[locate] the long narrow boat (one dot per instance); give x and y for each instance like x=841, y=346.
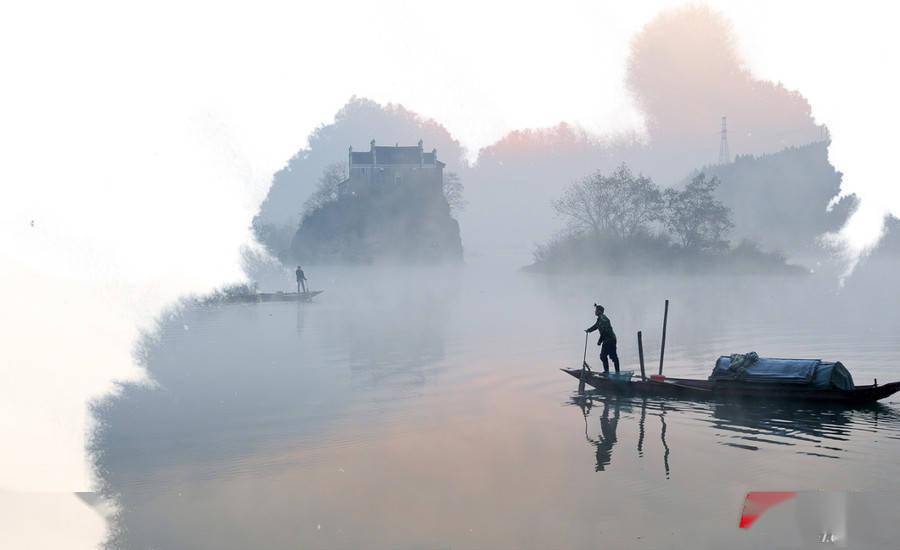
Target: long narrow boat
x=273, y=297
x=720, y=389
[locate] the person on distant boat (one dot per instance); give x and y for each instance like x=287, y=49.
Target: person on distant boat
x=607, y=339
x=301, y=280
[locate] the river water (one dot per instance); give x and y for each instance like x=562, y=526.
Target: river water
x=417, y=408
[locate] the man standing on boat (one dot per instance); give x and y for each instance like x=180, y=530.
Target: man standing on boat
x=607, y=339
x=301, y=280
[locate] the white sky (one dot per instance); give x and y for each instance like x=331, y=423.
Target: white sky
x=140, y=139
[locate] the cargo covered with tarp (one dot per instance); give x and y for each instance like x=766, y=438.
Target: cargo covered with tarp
x=750, y=368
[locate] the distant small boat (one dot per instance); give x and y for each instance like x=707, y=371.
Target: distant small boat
x=272, y=297
x=782, y=379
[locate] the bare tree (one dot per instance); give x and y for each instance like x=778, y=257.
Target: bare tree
x=327, y=189
x=453, y=192
x=620, y=204
x=694, y=216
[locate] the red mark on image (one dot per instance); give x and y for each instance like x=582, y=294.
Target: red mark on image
x=757, y=502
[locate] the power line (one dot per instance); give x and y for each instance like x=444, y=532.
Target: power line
x=724, y=154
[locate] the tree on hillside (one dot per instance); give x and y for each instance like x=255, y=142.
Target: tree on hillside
x=327, y=188
x=695, y=218
x=620, y=204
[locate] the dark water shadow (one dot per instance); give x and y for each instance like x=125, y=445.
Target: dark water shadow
x=612, y=408
x=816, y=430
x=829, y=430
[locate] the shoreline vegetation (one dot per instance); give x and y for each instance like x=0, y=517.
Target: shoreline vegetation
x=619, y=222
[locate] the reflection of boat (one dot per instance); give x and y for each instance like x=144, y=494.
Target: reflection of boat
x=813, y=429
x=605, y=442
x=824, y=430
x=607, y=438
x=273, y=297
x=731, y=389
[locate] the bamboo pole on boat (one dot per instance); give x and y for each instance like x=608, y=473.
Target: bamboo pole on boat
x=584, y=357
x=641, y=355
x=662, y=349
x=583, y=365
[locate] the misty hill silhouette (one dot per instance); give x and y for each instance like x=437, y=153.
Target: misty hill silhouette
x=359, y=121
x=777, y=202
x=875, y=276
x=886, y=252
x=781, y=200
x=390, y=210
x=404, y=223
x=889, y=245
x=684, y=73
x=407, y=223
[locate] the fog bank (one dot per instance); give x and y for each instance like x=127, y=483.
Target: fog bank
x=138, y=143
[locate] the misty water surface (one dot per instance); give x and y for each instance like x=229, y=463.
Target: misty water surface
x=418, y=408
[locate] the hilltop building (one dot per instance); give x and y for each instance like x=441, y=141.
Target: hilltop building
x=391, y=208
x=386, y=165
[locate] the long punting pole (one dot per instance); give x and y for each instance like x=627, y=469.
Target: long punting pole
x=662, y=349
x=583, y=365
x=641, y=355
x=584, y=358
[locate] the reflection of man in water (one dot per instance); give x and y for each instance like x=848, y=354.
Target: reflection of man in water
x=607, y=339
x=607, y=436
x=301, y=283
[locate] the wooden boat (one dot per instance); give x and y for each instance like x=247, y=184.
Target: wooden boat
x=742, y=377
x=705, y=389
x=273, y=297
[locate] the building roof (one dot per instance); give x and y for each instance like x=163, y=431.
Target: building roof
x=394, y=155
x=361, y=158
x=397, y=155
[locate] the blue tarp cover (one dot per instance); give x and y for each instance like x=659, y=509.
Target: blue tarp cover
x=833, y=375
x=785, y=371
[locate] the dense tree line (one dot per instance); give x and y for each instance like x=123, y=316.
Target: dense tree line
x=624, y=206
x=620, y=219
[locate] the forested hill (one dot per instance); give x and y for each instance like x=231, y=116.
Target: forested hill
x=781, y=200
x=402, y=222
x=359, y=121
